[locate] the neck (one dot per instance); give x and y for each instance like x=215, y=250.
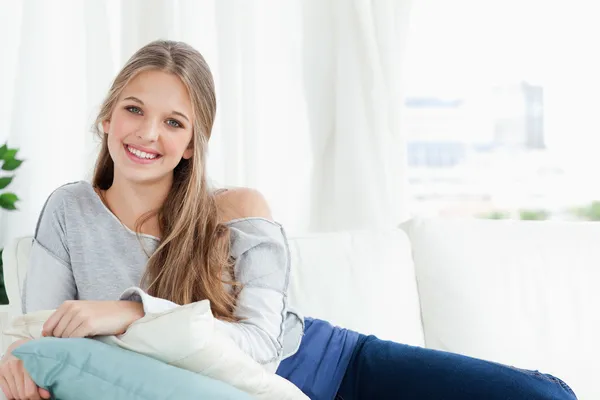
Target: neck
x=130, y=201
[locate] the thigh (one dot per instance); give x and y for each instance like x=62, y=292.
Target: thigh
x=387, y=370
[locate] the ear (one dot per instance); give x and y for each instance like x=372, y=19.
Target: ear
x=188, y=153
x=106, y=126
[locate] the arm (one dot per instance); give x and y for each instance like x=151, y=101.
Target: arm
x=50, y=283
x=263, y=270
x=260, y=248
x=262, y=267
x=49, y=280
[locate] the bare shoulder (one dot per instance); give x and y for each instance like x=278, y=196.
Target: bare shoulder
x=242, y=202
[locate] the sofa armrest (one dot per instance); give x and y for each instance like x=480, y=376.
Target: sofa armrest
x=15, y=259
x=6, y=316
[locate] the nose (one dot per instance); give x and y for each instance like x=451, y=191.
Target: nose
x=149, y=131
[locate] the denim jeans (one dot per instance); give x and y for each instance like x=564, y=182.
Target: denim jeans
x=382, y=370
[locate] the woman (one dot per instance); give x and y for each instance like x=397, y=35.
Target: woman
x=149, y=233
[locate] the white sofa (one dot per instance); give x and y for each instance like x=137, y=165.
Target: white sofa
x=520, y=293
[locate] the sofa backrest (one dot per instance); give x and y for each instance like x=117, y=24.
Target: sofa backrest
x=520, y=293
x=363, y=281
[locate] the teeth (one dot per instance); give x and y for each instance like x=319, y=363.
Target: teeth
x=141, y=154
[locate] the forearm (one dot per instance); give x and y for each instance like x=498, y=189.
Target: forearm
x=88, y=318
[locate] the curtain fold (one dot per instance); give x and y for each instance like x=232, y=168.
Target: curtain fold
x=353, y=55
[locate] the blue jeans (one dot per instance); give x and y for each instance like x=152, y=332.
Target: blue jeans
x=380, y=370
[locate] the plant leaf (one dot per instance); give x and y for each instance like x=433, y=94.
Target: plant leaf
x=9, y=154
x=12, y=164
x=5, y=181
x=3, y=150
x=8, y=200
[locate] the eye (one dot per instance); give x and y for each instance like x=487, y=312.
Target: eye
x=174, y=123
x=134, y=110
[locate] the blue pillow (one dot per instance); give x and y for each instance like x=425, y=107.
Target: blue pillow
x=75, y=369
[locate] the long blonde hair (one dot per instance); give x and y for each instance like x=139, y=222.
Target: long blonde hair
x=192, y=262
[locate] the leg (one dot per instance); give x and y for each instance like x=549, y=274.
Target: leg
x=387, y=370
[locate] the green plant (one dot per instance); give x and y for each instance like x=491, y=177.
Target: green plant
x=534, y=215
x=590, y=212
x=7, y=199
x=496, y=215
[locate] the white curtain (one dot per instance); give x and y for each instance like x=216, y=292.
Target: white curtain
x=309, y=98
x=353, y=57
x=57, y=71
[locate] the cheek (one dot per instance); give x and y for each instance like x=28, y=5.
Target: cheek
x=122, y=125
x=176, y=144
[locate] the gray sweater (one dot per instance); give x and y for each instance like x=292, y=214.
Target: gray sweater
x=82, y=251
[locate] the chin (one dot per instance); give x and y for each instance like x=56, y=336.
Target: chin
x=136, y=175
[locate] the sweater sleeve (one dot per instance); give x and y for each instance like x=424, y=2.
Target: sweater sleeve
x=49, y=280
x=262, y=266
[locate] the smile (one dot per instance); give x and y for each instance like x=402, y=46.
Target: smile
x=141, y=156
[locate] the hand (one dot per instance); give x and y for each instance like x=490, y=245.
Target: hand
x=16, y=382
x=81, y=318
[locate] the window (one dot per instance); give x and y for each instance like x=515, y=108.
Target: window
x=500, y=115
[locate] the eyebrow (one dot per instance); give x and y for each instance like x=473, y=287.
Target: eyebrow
x=135, y=99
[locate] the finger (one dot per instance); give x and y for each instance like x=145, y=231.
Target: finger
x=54, y=319
x=31, y=389
x=81, y=331
x=75, y=325
x=10, y=380
x=5, y=388
x=63, y=323
x=16, y=381
x=44, y=394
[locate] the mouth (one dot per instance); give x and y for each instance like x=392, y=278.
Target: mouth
x=139, y=156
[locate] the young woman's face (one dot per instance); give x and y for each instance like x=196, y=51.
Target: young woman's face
x=150, y=129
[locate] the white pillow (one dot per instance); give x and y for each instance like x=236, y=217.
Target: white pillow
x=28, y=326
x=185, y=337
